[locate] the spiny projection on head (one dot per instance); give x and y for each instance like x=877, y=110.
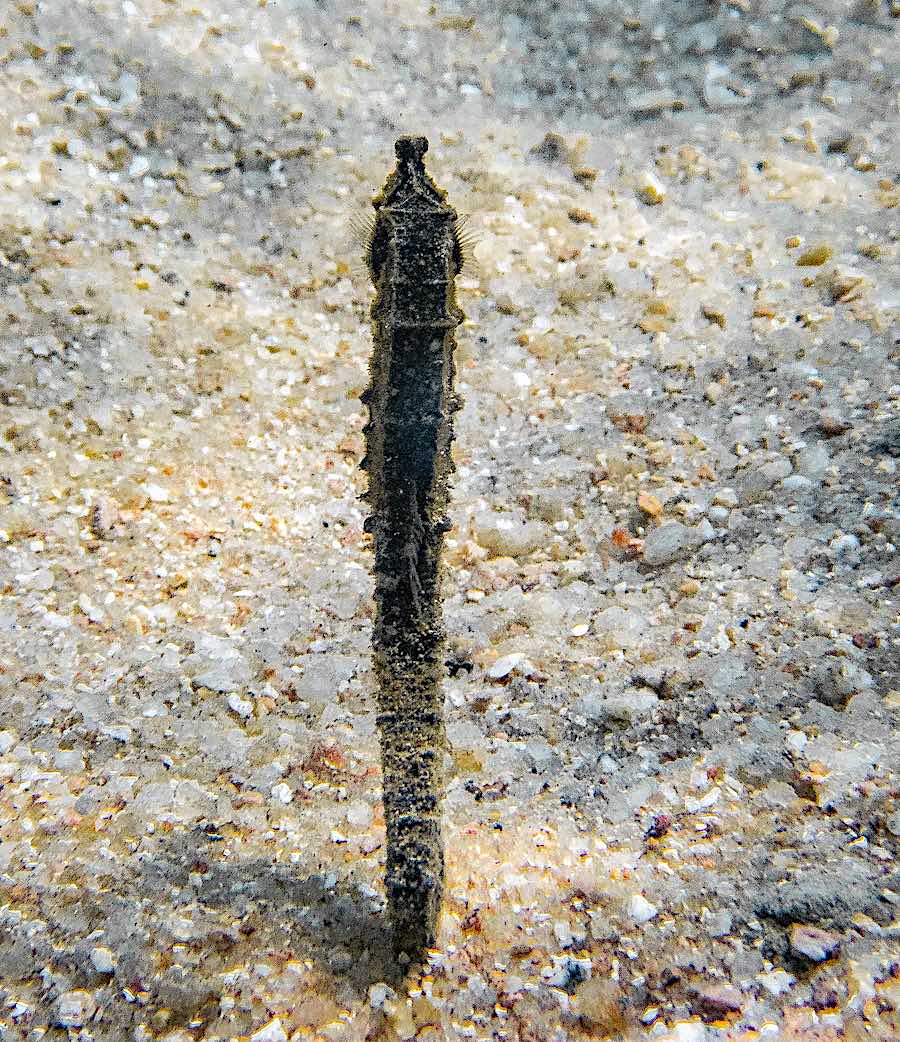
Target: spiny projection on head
x=413, y=253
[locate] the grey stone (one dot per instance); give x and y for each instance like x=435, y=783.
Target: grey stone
x=813, y=943
x=669, y=543
x=74, y=1009
x=831, y=895
x=324, y=676
x=218, y=665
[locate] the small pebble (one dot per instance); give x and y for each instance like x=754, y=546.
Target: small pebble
x=717, y=924
x=89, y=609
x=831, y=426
x=652, y=103
x=505, y=665
x=726, y=497
x=813, y=943
x=157, y=493
x=139, y=166
x=649, y=504
x=271, y=1032
x=776, y=982
x=103, y=516
x=240, y=706
x=669, y=543
x=359, y=814
x=650, y=190
x=379, y=994
x=74, y=1009
x=640, y=909
x=717, y=1000
x=103, y=960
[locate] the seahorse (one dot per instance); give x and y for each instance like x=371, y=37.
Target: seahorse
x=414, y=252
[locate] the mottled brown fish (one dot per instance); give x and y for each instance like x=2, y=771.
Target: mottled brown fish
x=414, y=253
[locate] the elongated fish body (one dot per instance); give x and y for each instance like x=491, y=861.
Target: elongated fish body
x=413, y=256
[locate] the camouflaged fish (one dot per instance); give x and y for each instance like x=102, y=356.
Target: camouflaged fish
x=414, y=251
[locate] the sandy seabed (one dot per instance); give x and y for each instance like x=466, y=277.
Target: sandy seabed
x=671, y=586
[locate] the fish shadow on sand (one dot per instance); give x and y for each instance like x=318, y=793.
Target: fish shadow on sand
x=258, y=907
